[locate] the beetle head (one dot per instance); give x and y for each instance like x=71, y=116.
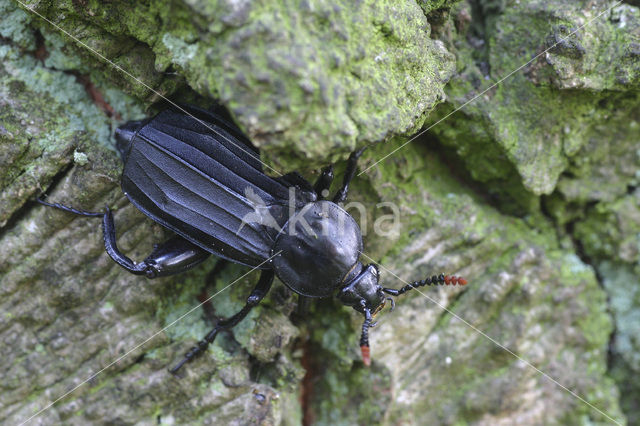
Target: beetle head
x=365, y=295
x=363, y=292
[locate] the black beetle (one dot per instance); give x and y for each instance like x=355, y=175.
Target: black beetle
x=194, y=172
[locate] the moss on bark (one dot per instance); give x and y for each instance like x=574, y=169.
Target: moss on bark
x=309, y=81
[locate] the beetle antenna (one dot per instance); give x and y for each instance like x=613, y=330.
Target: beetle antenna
x=364, y=338
x=69, y=209
x=441, y=279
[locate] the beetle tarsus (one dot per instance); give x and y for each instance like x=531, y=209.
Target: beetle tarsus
x=70, y=209
x=173, y=256
x=200, y=347
x=392, y=301
x=179, y=365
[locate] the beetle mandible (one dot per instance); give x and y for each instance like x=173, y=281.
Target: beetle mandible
x=194, y=172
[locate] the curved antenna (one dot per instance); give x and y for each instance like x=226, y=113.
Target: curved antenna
x=441, y=279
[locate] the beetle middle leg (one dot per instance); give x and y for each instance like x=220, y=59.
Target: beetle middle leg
x=303, y=305
x=259, y=292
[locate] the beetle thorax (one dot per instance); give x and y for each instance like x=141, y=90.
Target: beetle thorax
x=318, y=247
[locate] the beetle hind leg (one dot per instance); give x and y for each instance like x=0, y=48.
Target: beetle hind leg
x=69, y=209
x=171, y=257
x=259, y=292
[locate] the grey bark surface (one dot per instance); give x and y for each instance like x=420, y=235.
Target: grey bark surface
x=530, y=192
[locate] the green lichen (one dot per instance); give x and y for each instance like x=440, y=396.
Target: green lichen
x=15, y=24
x=349, y=395
x=271, y=65
x=314, y=79
x=623, y=286
x=430, y=5
x=80, y=158
x=504, y=305
x=566, y=123
x=536, y=116
x=39, y=138
x=610, y=230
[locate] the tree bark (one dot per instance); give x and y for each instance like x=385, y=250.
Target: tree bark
x=527, y=189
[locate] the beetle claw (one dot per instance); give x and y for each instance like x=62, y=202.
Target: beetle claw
x=393, y=303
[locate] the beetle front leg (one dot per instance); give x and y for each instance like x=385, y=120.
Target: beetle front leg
x=349, y=173
x=364, y=337
x=304, y=302
x=256, y=296
x=324, y=182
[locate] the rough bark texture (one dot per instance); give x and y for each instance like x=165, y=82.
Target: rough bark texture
x=530, y=191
